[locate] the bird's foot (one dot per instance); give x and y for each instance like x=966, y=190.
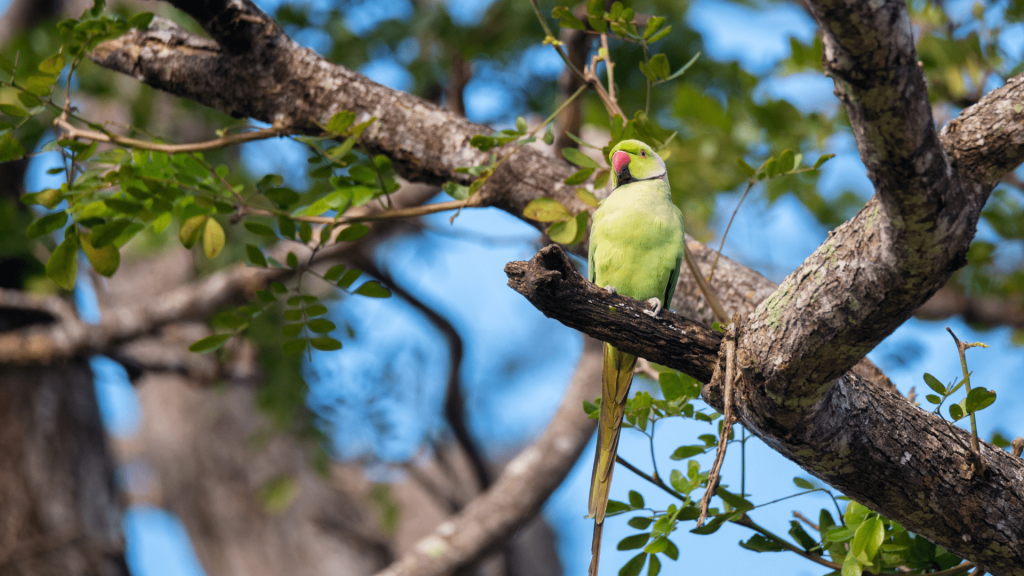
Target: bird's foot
x=656, y=307
x=610, y=289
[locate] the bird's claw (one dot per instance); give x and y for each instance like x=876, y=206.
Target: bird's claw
x=610, y=289
x=656, y=305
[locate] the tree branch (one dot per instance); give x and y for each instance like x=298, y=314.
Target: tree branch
x=518, y=492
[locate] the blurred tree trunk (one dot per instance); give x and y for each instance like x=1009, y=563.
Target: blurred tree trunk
x=59, y=513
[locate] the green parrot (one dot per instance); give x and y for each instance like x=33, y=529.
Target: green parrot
x=636, y=249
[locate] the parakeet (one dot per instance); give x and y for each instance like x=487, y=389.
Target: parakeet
x=636, y=249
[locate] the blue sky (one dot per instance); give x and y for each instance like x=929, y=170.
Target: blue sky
x=518, y=363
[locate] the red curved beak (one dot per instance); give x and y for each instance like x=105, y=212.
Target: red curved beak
x=619, y=161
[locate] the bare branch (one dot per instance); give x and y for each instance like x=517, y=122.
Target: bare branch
x=519, y=491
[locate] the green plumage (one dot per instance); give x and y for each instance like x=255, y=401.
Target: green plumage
x=636, y=247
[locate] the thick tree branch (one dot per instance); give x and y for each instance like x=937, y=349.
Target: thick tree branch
x=551, y=283
x=863, y=438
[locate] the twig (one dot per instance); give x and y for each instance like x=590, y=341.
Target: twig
x=975, y=445
x=705, y=288
x=656, y=481
x=72, y=132
x=799, y=516
x=471, y=202
x=750, y=184
x=644, y=368
x=728, y=420
x=746, y=522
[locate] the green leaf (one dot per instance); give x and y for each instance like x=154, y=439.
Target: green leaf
x=46, y=224
x=933, y=398
x=321, y=325
x=654, y=23
x=566, y=19
x=821, y=160
x=334, y=272
x=13, y=111
x=266, y=296
x=587, y=197
x=373, y=289
x=305, y=232
x=851, y=567
x=6, y=65
x=62, y=267
x=840, y=534
x=546, y=209
x=283, y=197
x=979, y=399
x=672, y=551
x=294, y=347
x=634, y=542
x=52, y=65
x=759, y=543
x=191, y=229
x=655, y=566
x=956, y=412
x=292, y=260
x=802, y=483
x=210, y=343
x=746, y=168
x=521, y=124
x=10, y=149
x=105, y=234
x=105, y=260
x=640, y=522
x=579, y=158
x=801, y=536
x=868, y=538
x=616, y=507
x=735, y=500
x=934, y=384
x=140, y=21
x=353, y=232
x=292, y=330
x=260, y=229
x=213, y=238
x=455, y=190
x=713, y=525
x=255, y=255
x=563, y=232
x=580, y=176
x=636, y=500
x=659, y=66
x=316, y=310
x=601, y=178
x=786, y=161
x=325, y=343
x=855, y=514
x=340, y=122
x=636, y=563
x=657, y=546
x=684, y=452
x=349, y=278
x=659, y=35
x=549, y=136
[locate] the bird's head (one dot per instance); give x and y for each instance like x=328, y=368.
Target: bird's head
x=633, y=160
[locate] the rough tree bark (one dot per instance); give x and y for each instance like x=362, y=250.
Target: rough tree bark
x=797, y=345
x=58, y=506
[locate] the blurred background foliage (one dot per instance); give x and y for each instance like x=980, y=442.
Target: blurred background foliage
x=757, y=91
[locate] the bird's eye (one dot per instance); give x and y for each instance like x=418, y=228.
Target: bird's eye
x=643, y=154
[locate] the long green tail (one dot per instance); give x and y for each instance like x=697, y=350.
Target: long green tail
x=615, y=380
